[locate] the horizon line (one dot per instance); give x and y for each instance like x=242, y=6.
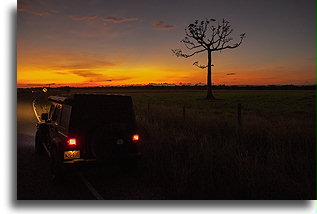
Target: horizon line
x=170, y=85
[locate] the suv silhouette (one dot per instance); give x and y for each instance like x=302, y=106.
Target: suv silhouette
x=85, y=128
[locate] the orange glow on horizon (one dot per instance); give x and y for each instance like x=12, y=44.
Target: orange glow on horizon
x=144, y=76
x=40, y=68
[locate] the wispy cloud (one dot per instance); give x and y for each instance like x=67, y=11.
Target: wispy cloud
x=119, y=20
x=35, y=84
x=229, y=74
x=82, y=18
x=87, y=64
x=39, y=13
x=92, y=76
x=163, y=26
x=109, y=79
x=89, y=67
x=86, y=73
x=23, y=6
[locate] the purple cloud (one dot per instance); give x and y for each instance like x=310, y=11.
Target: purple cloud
x=120, y=20
x=82, y=18
x=162, y=25
x=23, y=6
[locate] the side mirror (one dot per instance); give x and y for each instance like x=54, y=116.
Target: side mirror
x=44, y=116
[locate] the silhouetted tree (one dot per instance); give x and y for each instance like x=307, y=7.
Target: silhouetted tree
x=202, y=36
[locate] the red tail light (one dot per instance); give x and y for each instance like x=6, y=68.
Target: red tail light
x=135, y=138
x=72, y=142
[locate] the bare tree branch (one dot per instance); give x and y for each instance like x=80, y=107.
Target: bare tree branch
x=218, y=40
x=242, y=36
x=189, y=44
x=198, y=38
x=179, y=53
x=200, y=66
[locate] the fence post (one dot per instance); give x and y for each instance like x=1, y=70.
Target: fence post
x=239, y=114
x=184, y=112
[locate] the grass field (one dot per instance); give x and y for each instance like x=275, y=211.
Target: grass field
x=196, y=149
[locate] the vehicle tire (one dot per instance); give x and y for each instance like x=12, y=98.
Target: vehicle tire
x=56, y=167
x=38, y=144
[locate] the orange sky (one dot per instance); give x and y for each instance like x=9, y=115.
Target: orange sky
x=74, y=45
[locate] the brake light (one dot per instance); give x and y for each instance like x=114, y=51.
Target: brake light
x=72, y=142
x=135, y=138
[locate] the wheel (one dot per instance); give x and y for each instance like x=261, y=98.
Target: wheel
x=38, y=144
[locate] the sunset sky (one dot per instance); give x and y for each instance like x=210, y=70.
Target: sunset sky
x=103, y=42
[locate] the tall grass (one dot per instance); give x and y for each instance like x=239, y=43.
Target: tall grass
x=208, y=156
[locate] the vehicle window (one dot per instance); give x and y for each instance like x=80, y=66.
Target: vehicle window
x=66, y=111
x=106, y=112
x=57, y=113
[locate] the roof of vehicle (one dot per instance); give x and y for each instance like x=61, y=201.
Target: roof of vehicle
x=74, y=97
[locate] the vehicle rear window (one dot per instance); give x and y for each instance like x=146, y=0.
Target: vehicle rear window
x=88, y=113
x=66, y=112
x=52, y=109
x=57, y=112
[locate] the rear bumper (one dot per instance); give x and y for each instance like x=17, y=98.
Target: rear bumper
x=79, y=160
x=129, y=157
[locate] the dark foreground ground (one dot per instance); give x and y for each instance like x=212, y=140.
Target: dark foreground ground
x=110, y=181
x=192, y=149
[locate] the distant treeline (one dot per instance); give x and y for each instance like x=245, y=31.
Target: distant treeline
x=233, y=87
x=195, y=87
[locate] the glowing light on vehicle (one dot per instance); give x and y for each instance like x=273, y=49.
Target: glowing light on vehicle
x=72, y=142
x=135, y=138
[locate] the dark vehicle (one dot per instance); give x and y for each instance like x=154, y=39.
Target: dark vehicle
x=87, y=127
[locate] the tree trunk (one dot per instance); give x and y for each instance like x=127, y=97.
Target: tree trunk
x=210, y=96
